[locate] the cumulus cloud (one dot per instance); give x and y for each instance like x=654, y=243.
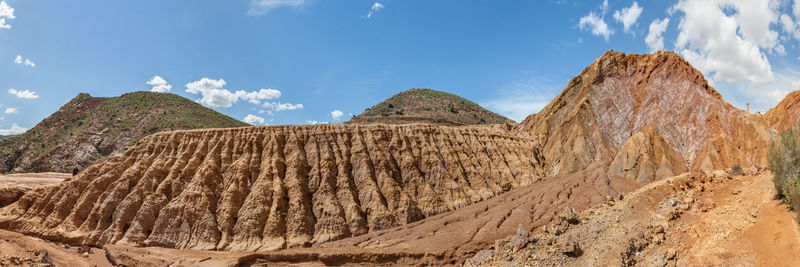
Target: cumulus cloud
x=6, y=12
x=765, y=96
x=14, y=130
x=316, y=122
x=213, y=94
x=261, y=7
x=628, y=16
x=256, y=97
x=655, y=38
x=28, y=94
x=596, y=23
x=11, y=111
x=337, y=114
x=24, y=62
x=159, y=84
x=728, y=47
x=253, y=120
x=789, y=26
x=374, y=9
x=792, y=26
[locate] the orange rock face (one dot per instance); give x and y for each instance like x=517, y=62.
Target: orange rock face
x=620, y=95
x=785, y=114
x=266, y=188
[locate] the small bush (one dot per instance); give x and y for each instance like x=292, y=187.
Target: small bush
x=737, y=170
x=784, y=161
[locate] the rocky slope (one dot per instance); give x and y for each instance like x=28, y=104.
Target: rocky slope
x=266, y=188
x=687, y=220
x=88, y=129
x=659, y=95
x=428, y=106
x=785, y=114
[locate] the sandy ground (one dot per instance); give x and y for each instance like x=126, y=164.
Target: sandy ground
x=30, y=180
x=20, y=250
x=744, y=225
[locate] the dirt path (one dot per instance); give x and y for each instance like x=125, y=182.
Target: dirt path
x=745, y=226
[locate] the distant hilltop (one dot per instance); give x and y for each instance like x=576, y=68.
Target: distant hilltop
x=428, y=106
x=88, y=129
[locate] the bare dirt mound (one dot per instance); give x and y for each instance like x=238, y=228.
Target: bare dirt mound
x=445, y=239
x=620, y=95
x=266, y=188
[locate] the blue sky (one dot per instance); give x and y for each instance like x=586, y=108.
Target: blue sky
x=298, y=61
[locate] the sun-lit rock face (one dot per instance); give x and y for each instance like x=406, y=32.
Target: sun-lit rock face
x=621, y=94
x=265, y=188
x=786, y=114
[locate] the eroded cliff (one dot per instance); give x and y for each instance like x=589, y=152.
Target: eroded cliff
x=266, y=188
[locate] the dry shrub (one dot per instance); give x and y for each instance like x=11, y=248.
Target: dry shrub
x=784, y=161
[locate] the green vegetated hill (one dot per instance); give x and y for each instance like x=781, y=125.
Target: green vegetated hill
x=88, y=129
x=428, y=106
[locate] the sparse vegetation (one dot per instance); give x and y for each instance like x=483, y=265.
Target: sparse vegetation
x=426, y=105
x=784, y=161
x=127, y=117
x=737, y=170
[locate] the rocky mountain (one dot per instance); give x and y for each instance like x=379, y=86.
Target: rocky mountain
x=428, y=106
x=88, y=129
x=676, y=119
x=267, y=188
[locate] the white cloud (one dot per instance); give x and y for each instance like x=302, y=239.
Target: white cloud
x=728, y=48
x=375, y=8
x=796, y=9
x=337, y=114
x=278, y=106
x=14, y=130
x=6, y=12
x=23, y=94
x=25, y=62
x=159, y=84
x=596, y=23
x=790, y=27
x=213, y=95
x=256, y=97
x=253, y=120
x=762, y=97
x=628, y=16
x=261, y=7
x=655, y=38
x=11, y=111
x=316, y=122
